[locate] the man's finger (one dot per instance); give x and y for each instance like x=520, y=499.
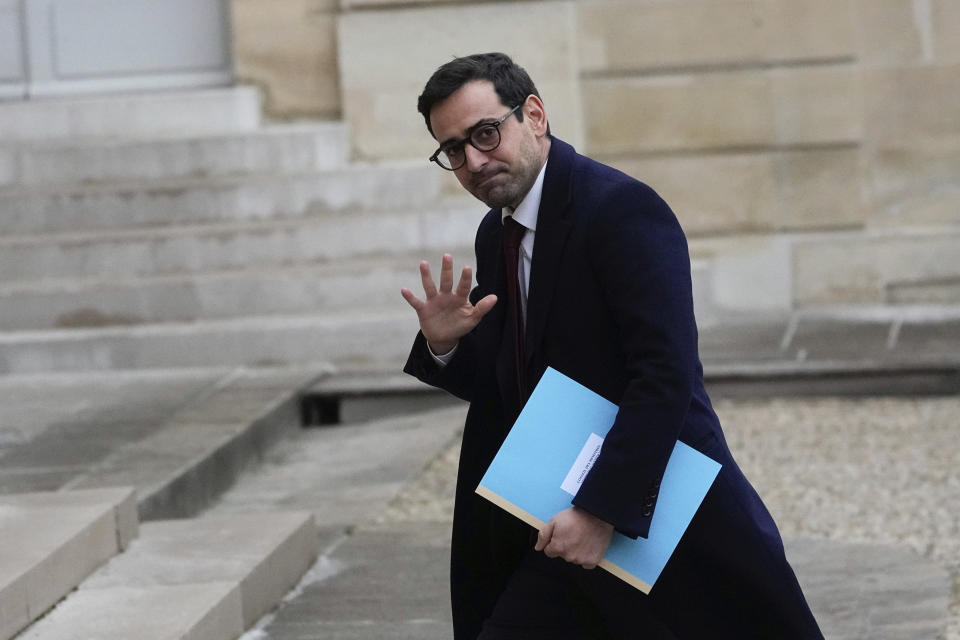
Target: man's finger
x=544, y=536
x=412, y=300
x=466, y=279
x=446, y=273
x=429, y=288
x=552, y=550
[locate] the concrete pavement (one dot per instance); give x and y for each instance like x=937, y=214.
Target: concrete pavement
x=384, y=575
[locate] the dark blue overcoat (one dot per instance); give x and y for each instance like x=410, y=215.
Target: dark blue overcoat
x=610, y=305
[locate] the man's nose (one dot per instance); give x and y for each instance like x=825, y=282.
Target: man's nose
x=476, y=159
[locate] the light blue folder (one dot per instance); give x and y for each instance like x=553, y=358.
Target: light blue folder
x=556, y=433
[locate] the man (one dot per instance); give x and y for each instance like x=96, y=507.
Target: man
x=599, y=289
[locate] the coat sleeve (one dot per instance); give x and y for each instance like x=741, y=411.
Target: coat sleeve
x=457, y=377
x=640, y=260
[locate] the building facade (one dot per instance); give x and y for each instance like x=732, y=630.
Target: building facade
x=810, y=149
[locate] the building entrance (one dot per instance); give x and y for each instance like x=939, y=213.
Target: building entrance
x=67, y=47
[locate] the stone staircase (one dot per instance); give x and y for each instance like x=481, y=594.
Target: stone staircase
x=52, y=541
x=117, y=448
x=208, y=111
x=176, y=236
x=110, y=577
x=205, y=237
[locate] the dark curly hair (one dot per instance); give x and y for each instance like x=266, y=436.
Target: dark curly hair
x=510, y=81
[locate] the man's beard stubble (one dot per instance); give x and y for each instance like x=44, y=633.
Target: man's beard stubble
x=512, y=191
x=507, y=193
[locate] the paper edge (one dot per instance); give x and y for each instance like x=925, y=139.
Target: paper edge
x=509, y=507
x=625, y=575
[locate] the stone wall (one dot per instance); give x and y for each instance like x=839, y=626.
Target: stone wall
x=908, y=247
x=288, y=48
x=381, y=81
x=811, y=149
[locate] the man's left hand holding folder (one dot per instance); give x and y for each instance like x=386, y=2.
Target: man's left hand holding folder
x=577, y=536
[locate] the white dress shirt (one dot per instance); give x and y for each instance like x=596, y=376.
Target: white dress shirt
x=526, y=214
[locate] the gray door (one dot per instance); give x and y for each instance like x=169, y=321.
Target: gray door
x=12, y=67
x=59, y=47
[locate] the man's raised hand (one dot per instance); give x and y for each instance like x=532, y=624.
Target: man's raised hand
x=447, y=314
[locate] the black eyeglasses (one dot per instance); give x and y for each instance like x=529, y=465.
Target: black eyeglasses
x=483, y=136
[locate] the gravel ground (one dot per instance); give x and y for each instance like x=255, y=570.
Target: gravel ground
x=875, y=470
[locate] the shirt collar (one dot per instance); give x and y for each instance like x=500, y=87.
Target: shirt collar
x=529, y=208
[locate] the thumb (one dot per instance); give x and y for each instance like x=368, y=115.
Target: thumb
x=544, y=536
x=484, y=305
x=411, y=299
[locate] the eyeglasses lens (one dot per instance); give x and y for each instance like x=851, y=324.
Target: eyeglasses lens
x=452, y=158
x=486, y=138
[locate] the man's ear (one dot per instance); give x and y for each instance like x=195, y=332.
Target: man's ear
x=535, y=115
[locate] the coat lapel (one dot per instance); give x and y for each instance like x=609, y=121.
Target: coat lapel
x=553, y=227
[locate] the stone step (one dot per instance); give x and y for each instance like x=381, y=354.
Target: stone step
x=182, y=464
x=359, y=187
x=370, y=339
x=288, y=148
x=142, y=115
x=52, y=542
x=217, y=246
x=202, y=579
x=356, y=284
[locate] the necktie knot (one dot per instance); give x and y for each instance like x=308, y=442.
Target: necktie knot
x=512, y=234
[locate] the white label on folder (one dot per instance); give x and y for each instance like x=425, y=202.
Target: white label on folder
x=580, y=469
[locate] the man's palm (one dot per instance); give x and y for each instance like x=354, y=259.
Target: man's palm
x=447, y=313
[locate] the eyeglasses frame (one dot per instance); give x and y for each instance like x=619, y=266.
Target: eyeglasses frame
x=468, y=139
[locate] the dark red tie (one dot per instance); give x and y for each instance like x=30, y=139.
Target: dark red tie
x=512, y=235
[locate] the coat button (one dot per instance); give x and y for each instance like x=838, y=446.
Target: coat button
x=646, y=514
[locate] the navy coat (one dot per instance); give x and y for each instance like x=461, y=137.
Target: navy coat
x=610, y=305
